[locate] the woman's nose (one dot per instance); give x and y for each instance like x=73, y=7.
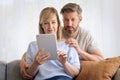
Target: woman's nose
x=50, y=25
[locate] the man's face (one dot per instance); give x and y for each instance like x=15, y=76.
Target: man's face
x=71, y=22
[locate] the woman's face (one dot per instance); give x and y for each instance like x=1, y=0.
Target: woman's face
x=50, y=26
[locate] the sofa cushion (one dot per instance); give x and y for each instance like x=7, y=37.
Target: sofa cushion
x=102, y=70
x=13, y=71
x=2, y=70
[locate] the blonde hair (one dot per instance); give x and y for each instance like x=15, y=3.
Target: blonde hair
x=45, y=15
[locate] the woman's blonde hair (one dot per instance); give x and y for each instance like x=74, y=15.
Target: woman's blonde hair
x=45, y=15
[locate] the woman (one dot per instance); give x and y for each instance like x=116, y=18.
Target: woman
x=66, y=67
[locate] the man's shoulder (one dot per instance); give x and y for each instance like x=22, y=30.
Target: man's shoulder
x=83, y=31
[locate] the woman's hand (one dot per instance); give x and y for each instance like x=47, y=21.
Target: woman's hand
x=69, y=69
x=41, y=57
x=62, y=57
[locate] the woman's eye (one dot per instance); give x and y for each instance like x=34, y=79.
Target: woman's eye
x=46, y=23
x=53, y=22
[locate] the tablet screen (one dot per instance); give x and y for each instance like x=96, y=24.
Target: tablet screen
x=48, y=42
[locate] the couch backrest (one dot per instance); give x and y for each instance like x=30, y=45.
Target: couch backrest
x=13, y=71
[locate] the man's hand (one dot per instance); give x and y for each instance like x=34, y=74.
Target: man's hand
x=72, y=42
x=23, y=67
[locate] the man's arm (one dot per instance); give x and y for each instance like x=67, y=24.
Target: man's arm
x=92, y=56
x=23, y=67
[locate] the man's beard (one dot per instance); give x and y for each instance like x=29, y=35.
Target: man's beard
x=70, y=31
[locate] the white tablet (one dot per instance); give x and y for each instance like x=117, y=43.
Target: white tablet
x=48, y=42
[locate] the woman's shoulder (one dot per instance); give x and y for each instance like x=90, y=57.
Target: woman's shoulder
x=33, y=46
x=61, y=43
x=61, y=40
x=33, y=43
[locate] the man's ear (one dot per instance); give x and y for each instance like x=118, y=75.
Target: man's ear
x=80, y=18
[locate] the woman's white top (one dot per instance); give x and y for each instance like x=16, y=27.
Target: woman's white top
x=53, y=68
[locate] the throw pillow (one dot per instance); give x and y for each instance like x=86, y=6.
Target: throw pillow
x=102, y=70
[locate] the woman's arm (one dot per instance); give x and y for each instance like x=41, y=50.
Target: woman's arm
x=69, y=69
x=38, y=60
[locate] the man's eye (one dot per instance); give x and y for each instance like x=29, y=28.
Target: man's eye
x=73, y=19
x=66, y=20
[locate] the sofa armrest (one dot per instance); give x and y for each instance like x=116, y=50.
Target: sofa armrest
x=13, y=70
x=117, y=75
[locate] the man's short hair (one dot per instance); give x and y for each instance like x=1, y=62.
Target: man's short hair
x=71, y=7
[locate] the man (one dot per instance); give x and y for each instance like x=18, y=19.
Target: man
x=75, y=36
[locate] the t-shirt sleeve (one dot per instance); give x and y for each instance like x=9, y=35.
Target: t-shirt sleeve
x=31, y=51
x=91, y=44
x=73, y=57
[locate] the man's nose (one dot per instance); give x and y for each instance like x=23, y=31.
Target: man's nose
x=69, y=23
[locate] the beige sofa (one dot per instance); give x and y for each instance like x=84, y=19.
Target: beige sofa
x=11, y=71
